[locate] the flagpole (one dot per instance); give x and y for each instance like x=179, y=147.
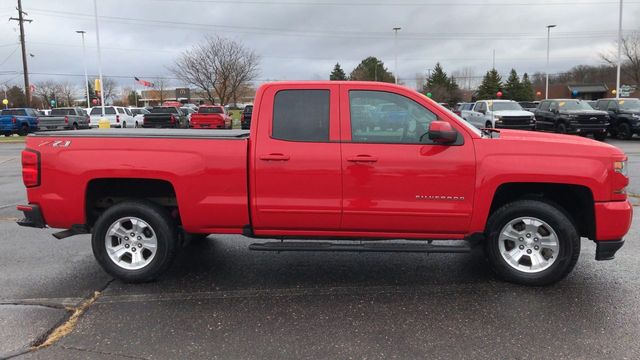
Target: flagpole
x=135, y=93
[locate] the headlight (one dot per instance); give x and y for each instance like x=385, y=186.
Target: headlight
x=621, y=167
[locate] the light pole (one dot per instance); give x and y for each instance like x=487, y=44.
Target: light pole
x=395, y=50
x=619, y=52
x=95, y=12
x=546, y=88
x=84, y=63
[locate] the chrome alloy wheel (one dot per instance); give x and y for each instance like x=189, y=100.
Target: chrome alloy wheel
x=528, y=244
x=131, y=243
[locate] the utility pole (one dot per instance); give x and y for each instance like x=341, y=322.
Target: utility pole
x=493, y=66
x=20, y=19
x=395, y=50
x=95, y=12
x=619, y=52
x=84, y=62
x=546, y=88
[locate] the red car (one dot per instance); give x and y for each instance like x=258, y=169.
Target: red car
x=311, y=168
x=211, y=117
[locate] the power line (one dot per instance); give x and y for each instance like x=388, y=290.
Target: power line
x=325, y=33
x=396, y=4
x=7, y=58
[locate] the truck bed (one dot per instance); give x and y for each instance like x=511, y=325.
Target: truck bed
x=150, y=133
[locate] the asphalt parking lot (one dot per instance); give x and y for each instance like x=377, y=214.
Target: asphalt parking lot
x=220, y=300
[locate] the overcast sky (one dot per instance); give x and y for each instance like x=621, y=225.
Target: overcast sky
x=303, y=39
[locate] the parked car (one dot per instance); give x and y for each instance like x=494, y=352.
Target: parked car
x=462, y=109
x=571, y=116
x=188, y=111
x=118, y=116
x=211, y=117
x=165, y=117
x=245, y=121
x=529, y=105
x=303, y=173
x=137, y=112
x=19, y=121
x=501, y=114
x=65, y=118
x=624, y=116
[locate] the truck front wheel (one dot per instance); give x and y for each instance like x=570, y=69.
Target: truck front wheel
x=135, y=241
x=532, y=242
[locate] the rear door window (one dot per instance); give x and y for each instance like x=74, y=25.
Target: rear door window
x=301, y=115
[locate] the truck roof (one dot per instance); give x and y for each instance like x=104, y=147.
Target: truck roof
x=149, y=133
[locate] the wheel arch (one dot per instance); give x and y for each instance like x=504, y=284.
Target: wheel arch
x=102, y=193
x=576, y=201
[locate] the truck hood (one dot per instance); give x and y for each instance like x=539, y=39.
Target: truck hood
x=512, y=113
x=542, y=142
x=584, y=112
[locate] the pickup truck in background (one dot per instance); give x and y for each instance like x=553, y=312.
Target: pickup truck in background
x=211, y=117
x=308, y=169
x=165, y=117
x=64, y=118
x=571, y=116
x=624, y=116
x=118, y=116
x=500, y=114
x=19, y=121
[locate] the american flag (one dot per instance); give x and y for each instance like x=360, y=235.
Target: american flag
x=143, y=82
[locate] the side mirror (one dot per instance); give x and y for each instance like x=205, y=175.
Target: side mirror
x=441, y=132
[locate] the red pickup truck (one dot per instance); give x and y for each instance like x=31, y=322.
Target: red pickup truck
x=211, y=117
x=321, y=163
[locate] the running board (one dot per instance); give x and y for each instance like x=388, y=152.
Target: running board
x=358, y=247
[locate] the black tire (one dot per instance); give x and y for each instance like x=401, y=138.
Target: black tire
x=24, y=130
x=561, y=128
x=600, y=136
x=488, y=125
x=162, y=225
x=124, y=124
x=555, y=217
x=624, y=131
x=75, y=126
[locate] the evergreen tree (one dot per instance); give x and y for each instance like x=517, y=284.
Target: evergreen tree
x=526, y=89
x=491, y=84
x=512, y=88
x=16, y=97
x=371, y=69
x=337, y=73
x=442, y=87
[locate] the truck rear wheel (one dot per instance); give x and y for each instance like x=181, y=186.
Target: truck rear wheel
x=24, y=130
x=532, y=242
x=135, y=241
x=624, y=131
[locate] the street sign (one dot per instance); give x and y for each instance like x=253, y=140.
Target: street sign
x=627, y=90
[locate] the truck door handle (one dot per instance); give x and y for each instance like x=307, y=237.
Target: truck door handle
x=275, y=157
x=362, y=158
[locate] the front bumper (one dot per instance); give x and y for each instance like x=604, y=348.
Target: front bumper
x=516, y=127
x=32, y=216
x=587, y=128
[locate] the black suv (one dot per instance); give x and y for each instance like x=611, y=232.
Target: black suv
x=245, y=122
x=571, y=116
x=624, y=114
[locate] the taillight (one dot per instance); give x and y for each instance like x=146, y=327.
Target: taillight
x=30, y=168
x=172, y=119
x=66, y=119
x=117, y=118
x=14, y=120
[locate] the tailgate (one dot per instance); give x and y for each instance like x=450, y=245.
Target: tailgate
x=54, y=121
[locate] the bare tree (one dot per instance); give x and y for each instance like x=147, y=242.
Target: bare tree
x=67, y=92
x=630, y=55
x=160, y=86
x=219, y=66
x=47, y=90
x=110, y=88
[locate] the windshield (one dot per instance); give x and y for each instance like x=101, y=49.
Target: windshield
x=631, y=104
x=507, y=105
x=164, y=110
x=574, y=105
x=210, y=110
